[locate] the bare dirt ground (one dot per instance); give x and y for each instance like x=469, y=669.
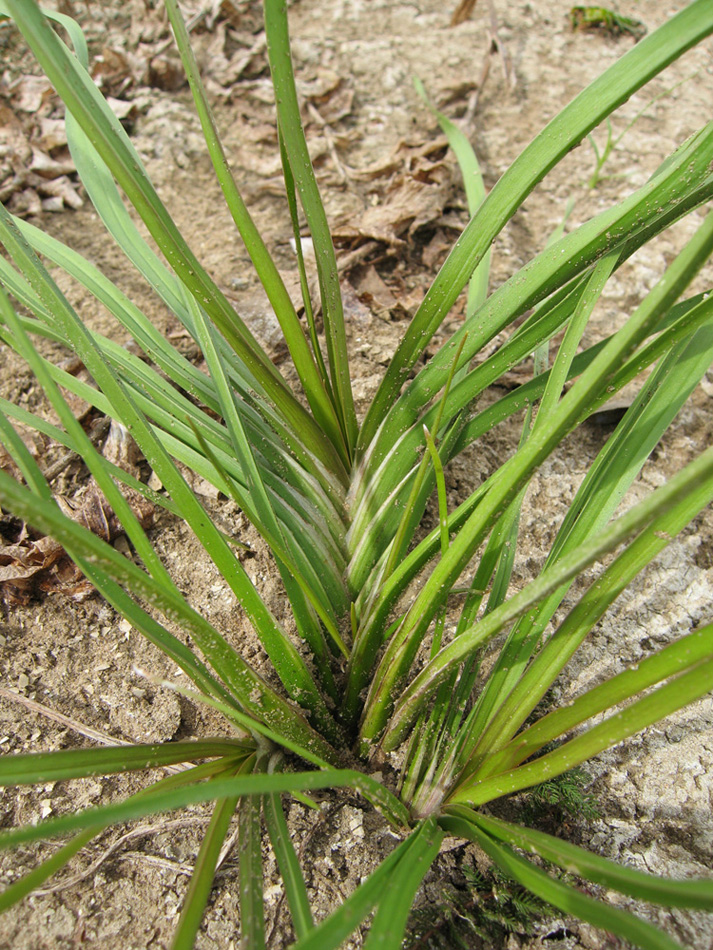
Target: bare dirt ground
x=395, y=200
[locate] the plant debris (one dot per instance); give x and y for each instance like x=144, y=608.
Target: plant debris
x=606, y=21
x=32, y=565
x=35, y=164
x=415, y=194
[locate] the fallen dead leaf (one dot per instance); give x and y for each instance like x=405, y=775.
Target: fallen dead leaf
x=373, y=291
x=414, y=196
x=437, y=249
x=32, y=565
x=166, y=72
x=52, y=134
x=112, y=71
x=30, y=93
x=15, y=153
x=34, y=158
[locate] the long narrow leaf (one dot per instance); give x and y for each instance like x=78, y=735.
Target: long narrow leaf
x=35, y=878
x=692, y=892
x=292, y=134
x=474, y=191
x=511, y=477
x=561, y=646
x=90, y=455
x=253, y=693
x=389, y=924
x=671, y=661
x=613, y=471
x=563, y=896
x=622, y=228
x=37, y=767
x=566, y=130
x=202, y=877
x=698, y=476
x=108, y=138
x=331, y=932
x=252, y=915
x=213, y=541
x=294, y=882
x=288, y=663
x=264, y=265
x=681, y=691
x=149, y=803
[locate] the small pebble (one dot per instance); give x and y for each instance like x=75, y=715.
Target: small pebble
x=122, y=545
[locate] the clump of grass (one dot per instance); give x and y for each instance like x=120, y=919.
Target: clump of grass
x=337, y=500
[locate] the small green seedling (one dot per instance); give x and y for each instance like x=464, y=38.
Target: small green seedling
x=599, y=18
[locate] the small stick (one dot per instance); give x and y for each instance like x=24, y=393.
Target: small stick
x=139, y=832
x=327, y=132
x=63, y=720
x=97, y=431
x=510, y=77
x=463, y=11
x=227, y=848
x=356, y=256
x=496, y=46
x=75, y=725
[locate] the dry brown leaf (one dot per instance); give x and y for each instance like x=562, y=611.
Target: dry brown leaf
x=122, y=108
x=240, y=15
x=247, y=62
x=48, y=167
x=34, y=158
x=437, y=249
x=414, y=196
x=329, y=98
x=15, y=153
x=372, y=290
x=359, y=317
x=53, y=134
x=30, y=93
x=231, y=13
x=32, y=566
x=321, y=85
x=62, y=192
x=39, y=193
x=112, y=72
x=166, y=72
x=13, y=139
x=24, y=203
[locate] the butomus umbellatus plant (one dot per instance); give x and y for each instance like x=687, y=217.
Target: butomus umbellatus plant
x=370, y=669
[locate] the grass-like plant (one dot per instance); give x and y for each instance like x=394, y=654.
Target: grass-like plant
x=366, y=670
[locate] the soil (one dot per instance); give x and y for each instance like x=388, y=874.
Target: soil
x=371, y=138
